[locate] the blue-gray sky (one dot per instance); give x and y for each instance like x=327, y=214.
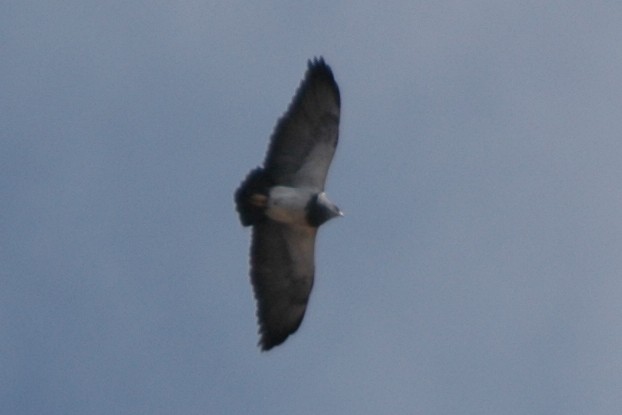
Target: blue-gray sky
x=478, y=268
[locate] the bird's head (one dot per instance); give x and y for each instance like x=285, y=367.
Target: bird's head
x=320, y=210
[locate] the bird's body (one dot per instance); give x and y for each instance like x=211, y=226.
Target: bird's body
x=288, y=205
x=285, y=203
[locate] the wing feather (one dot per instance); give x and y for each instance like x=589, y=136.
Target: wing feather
x=304, y=141
x=282, y=270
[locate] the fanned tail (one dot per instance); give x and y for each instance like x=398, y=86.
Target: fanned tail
x=249, y=196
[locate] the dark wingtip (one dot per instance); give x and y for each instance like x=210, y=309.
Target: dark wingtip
x=268, y=341
x=266, y=344
x=319, y=62
x=318, y=69
x=271, y=338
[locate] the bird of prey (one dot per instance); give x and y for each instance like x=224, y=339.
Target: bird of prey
x=285, y=203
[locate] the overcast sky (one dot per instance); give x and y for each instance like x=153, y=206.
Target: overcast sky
x=478, y=269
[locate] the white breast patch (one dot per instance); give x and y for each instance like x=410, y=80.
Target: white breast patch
x=287, y=204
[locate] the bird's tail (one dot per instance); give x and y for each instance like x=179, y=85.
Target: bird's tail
x=251, y=196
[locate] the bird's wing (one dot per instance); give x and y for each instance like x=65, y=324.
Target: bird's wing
x=305, y=138
x=282, y=269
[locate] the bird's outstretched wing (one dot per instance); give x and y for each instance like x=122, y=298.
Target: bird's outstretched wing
x=305, y=138
x=282, y=269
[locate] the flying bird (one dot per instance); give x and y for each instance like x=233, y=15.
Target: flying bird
x=285, y=203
